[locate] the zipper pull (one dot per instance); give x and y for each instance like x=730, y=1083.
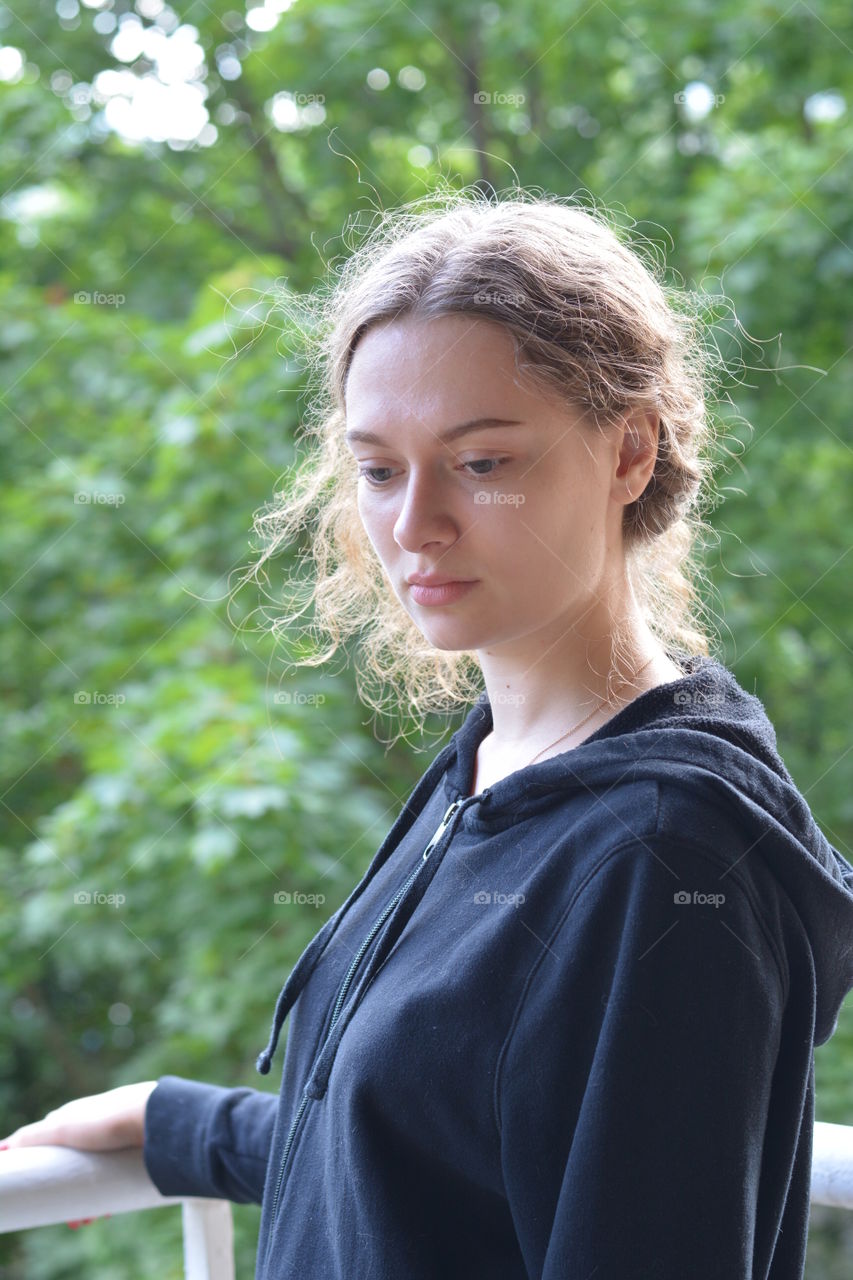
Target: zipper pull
x=438, y=834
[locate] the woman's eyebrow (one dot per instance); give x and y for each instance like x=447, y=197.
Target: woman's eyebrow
x=370, y=437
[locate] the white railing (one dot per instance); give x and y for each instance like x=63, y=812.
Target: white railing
x=44, y=1185
x=40, y=1186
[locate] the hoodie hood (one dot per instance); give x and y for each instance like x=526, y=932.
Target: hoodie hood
x=705, y=727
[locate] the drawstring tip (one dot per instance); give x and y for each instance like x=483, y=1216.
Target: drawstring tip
x=262, y=1064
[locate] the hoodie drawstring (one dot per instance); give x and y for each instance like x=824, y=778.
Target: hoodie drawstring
x=394, y=926
x=310, y=957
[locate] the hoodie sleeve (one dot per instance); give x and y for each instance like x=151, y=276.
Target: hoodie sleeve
x=634, y=1086
x=206, y=1140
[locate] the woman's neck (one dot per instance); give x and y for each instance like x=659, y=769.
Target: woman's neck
x=495, y=760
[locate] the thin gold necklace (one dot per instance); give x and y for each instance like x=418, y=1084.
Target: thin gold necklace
x=580, y=725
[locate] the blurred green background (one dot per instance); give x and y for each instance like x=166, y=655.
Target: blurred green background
x=162, y=168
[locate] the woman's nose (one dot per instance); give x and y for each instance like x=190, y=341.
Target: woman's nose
x=424, y=515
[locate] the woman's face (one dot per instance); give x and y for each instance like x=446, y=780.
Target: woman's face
x=530, y=512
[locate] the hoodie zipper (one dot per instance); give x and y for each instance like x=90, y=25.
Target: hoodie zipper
x=345, y=985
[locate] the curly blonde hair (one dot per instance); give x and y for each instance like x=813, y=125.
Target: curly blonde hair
x=591, y=319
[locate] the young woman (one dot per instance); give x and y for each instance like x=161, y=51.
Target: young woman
x=564, y=1025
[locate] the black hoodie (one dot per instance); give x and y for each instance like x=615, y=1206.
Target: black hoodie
x=562, y=1029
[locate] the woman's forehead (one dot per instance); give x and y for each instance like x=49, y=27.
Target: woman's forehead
x=456, y=371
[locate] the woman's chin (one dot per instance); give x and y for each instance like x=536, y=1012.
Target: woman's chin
x=453, y=636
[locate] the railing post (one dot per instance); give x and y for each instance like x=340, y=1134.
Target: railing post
x=208, y=1240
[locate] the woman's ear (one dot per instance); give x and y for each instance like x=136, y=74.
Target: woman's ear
x=637, y=454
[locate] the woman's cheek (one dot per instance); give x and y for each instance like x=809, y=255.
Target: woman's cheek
x=368, y=519
x=378, y=524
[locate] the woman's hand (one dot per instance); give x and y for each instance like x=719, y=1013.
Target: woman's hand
x=101, y=1122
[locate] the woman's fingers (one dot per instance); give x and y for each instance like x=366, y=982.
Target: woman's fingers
x=29, y=1135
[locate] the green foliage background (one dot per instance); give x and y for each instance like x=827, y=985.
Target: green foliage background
x=196, y=780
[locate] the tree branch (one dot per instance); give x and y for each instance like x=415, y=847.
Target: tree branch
x=278, y=191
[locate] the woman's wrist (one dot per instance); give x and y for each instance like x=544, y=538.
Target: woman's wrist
x=137, y=1133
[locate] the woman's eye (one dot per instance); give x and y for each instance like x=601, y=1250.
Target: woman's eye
x=369, y=473
x=499, y=462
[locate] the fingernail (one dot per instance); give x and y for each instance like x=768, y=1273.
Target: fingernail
x=4, y=1146
x=73, y=1225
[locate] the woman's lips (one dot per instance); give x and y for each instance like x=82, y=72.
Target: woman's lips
x=444, y=594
